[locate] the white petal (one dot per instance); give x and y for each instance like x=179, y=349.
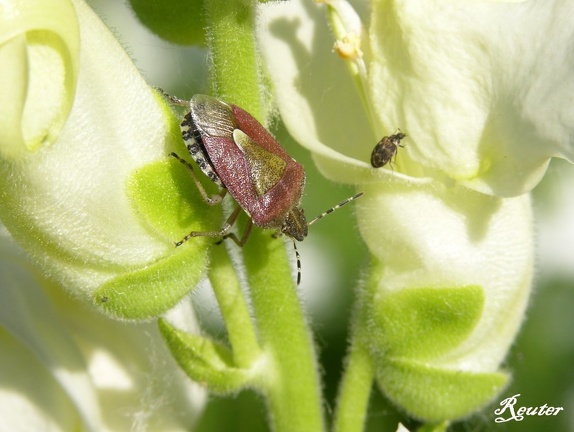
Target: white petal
x=483, y=89
x=315, y=95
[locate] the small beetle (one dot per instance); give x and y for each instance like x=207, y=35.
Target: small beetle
x=386, y=149
x=238, y=154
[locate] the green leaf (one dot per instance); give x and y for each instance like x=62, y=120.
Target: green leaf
x=424, y=323
x=180, y=22
x=204, y=360
x=435, y=395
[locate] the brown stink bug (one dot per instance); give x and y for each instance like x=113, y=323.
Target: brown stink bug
x=386, y=149
x=238, y=154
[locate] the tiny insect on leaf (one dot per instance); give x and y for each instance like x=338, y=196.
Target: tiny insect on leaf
x=238, y=154
x=386, y=149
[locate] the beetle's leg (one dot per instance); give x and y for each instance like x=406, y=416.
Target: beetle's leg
x=244, y=237
x=221, y=233
x=393, y=161
x=211, y=200
x=173, y=99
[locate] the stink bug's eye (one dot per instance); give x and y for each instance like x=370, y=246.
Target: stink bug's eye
x=386, y=149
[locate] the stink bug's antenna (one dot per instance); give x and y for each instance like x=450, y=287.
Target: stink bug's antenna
x=298, y=257
x=332, y=209
x=322, y=215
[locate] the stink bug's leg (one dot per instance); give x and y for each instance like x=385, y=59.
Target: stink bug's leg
x=298, y=258
x=221, y=233
x=211, y=200
x=244, y=237
x=173, y=99
x=332, y=209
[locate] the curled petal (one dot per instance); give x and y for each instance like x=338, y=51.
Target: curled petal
x=39, y=54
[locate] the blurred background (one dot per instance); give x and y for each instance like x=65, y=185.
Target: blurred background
x=333, y=257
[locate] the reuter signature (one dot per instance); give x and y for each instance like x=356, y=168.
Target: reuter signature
x=507, y=405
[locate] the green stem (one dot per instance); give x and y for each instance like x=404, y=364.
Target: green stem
x=234, y=70
x=241, y=332
x=292, y=389
x=353, y=401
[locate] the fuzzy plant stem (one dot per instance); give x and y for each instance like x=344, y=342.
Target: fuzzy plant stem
x=288, y=377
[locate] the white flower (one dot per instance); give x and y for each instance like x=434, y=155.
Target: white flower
x=483, y=92
x=95, y=201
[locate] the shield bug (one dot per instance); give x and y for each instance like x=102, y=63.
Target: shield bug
x=238, y=154
x=386, y=149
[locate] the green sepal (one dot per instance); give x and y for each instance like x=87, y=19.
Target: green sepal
x=416, y=327
x=205, y=361
x=436, y=395
x=165, y=197
x=424, y=323
x=180, y=22
x=150, y=291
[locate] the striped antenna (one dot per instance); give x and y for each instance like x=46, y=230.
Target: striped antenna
x=298, y=257
x=332, y=209
x=322, y=215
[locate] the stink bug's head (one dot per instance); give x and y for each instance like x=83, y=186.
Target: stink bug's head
x=295, y=224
